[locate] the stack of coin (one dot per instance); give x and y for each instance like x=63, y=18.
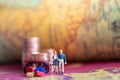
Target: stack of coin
x=31, y=53
x=50, y=53
x=41, y=57
x=29, y=45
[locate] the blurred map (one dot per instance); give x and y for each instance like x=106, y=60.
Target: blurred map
x=84, y=29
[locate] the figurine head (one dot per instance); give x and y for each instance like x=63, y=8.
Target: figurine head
x=55, y=52
x=61, y=51
x=34, y=65
x=41, y=64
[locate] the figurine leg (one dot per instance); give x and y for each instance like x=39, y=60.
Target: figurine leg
x=62, y=66
x=56, y=69
x=53, y=69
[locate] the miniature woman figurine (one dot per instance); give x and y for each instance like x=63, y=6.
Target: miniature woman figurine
x=55, y=62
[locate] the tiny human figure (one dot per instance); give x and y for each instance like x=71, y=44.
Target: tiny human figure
x=40, y=70
x=55, y=62
x=34, y=66
x=62, y=61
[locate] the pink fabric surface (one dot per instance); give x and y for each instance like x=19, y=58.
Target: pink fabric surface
x=15, y=72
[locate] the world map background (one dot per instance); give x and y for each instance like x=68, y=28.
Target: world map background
x=84, y=29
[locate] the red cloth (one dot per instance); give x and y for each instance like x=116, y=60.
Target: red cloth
x=29, y=69
x=40, y=74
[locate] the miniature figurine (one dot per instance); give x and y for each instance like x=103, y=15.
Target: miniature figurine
x=41, y=68
x=29, y=71
x=34, y=66
x=40, y=71
x=62, y=61
x=55, y=62
x=28, y=68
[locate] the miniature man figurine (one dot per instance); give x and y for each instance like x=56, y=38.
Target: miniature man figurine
x=55, y=62
x=62, y=61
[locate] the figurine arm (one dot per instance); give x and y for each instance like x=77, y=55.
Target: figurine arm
x=65, y=61
x=58, y=58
